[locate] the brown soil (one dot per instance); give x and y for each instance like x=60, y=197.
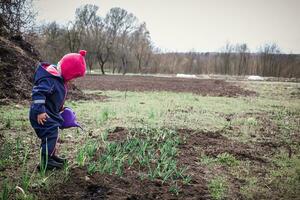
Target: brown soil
x=130, y=186
x=147, y=83
x=213, y=144
x=118, y=134
x=17, y=63
x=76, y=94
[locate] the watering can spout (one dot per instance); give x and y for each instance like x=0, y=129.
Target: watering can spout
x=69, y=118
x=79, y=126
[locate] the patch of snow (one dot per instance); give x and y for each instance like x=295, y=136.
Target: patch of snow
x=186, y=76
x=204, y=76
x=255, y=78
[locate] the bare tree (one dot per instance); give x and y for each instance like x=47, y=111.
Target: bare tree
x=225, y=55
x=17, y=16
x=52, y=42
x=120, y=24
x=192, y=64
x=243, y=54
x=268, y=59
x=103, y=42
x=73, y=36
x=86, y=17
x=141, y=45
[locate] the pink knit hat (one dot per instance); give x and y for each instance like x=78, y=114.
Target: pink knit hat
x=73, y=65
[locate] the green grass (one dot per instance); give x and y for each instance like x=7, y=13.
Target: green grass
x=225, y=159
x=6, y=155
x=207, y=160
x=6, y=190
x=14, y=117
x=286, y=174
x=166, y=109
x=218, y=188
x=26, y=176
x=250, y=188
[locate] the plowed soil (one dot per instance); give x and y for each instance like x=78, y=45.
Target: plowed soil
x=130, y=186
x=147, y=83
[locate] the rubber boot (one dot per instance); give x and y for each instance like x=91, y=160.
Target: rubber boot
x=59, y=159
x=51, y=164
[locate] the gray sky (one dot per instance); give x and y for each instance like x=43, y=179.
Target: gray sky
x=200, y=25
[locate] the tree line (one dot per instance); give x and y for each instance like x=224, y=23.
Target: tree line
x=232, y=60
x=119, y=43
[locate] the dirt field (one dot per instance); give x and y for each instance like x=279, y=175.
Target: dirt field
x=146, y=83
x=129, y=186
x=160, y=145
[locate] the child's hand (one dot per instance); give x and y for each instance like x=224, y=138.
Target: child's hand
x=41, y=118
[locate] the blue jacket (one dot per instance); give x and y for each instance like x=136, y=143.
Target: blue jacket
x=48, y=95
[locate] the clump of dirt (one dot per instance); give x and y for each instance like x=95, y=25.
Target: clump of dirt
x=147, y=83
x=214, y=143
x=76, y=94
x=17, y=64
x=117, y=134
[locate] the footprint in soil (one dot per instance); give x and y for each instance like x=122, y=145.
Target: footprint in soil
x=94, y=192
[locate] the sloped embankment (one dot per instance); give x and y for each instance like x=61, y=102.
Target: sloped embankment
x=17, y=64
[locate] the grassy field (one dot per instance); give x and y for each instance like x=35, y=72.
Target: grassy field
x=249, y=147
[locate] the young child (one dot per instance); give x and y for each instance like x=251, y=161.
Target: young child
x=48, y=96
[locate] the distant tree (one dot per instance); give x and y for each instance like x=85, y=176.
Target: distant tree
x=120, y=25
x=85, y=20
x=103, y=41
x=73, y=36
x=243, y=58
x=225, y=55
x=268, y=59
x=52, y=44
x=141, y=45
x=290, y=67
x=192, y=63
x=85, y=16
x=16, y=16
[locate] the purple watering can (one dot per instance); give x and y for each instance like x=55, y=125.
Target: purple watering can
x=69, y=117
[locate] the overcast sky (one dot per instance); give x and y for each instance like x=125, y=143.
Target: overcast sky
x=200, y=25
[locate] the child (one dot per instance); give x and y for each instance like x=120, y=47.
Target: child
x=48, y=96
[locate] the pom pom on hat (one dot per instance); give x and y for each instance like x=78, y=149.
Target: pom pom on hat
x=82, y=52
x=73, y=65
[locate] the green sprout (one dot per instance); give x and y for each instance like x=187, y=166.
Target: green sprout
x=91, y=168
x=81, y=157
x=6, y=190
x=218, y=188
x=43, y=161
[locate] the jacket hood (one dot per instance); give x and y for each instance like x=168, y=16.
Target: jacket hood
x=41, y=72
